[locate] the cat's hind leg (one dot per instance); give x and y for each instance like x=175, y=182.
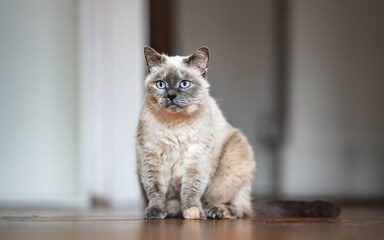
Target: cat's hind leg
x=220, y=211
x=239, y=206
x=241, y=203
x=228, y=193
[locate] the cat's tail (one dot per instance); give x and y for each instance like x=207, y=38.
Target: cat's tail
x=281, y=208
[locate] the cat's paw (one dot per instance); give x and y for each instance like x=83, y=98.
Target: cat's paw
x=155, y=212
x=193, y=213
x=219, y=212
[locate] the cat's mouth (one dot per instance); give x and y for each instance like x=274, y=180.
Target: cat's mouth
x=174, y=108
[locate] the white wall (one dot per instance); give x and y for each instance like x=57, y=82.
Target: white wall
x=114, y=33
x=38, y=102
x=71, y=86
x=336, y=131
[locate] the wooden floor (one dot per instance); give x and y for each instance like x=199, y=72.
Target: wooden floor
x=354, y=223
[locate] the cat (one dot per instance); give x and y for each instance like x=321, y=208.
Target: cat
x=191, y=162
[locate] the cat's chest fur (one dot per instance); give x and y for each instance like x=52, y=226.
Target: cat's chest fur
x=174, y=146
x=168, y=139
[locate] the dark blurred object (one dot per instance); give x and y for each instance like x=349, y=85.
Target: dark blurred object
x=161, y=17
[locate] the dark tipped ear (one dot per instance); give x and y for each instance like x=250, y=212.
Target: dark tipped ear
x=199, y=59
x=153, y=58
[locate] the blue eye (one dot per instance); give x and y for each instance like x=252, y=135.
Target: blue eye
x=185, y=84
x=160, y=84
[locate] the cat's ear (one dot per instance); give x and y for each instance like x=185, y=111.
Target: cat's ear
x=153, y=58
x=199, y=59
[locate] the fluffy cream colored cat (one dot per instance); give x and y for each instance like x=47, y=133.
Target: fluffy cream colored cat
x=191, y=161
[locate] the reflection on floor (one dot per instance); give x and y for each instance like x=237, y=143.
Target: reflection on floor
x=354, y=223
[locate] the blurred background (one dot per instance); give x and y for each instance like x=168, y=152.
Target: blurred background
x=303, y=79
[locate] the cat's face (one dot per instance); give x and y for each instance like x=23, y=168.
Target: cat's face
x=177, y=84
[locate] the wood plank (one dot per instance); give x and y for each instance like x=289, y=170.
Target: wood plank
x=355, y=223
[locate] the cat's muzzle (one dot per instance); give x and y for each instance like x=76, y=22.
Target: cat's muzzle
x=174, y=108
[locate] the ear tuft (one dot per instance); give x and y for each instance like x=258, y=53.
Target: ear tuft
x=153, y=58
x=199, y=59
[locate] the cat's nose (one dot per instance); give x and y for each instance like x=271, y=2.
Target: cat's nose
x=171, y=96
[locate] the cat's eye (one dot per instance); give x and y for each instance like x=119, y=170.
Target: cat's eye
x=160, y=84
x=185, y=84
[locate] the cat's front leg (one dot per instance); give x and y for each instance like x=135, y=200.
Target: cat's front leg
x=155, y=182
x=194, y=182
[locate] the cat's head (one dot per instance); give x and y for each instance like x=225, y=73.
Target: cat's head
x=177, y=84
